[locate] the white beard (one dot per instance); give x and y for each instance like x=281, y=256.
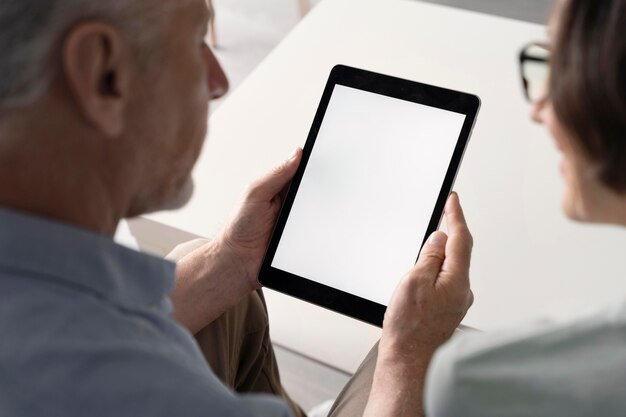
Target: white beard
x=180, y=199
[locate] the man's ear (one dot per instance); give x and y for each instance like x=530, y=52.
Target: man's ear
x=97, y=63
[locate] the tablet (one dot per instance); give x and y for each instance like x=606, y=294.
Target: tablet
x=378, y=165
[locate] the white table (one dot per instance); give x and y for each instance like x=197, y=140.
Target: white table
x=529, y=262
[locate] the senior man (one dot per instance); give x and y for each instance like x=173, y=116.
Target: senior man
x=103, y=108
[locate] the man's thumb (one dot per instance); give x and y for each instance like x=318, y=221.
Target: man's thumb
x=433, y=253
x=277, y=179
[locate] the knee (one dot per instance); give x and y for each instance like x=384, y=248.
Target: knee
x=185, y=249
x=257, y=318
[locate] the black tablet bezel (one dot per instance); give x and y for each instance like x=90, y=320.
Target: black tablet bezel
x=323, y=295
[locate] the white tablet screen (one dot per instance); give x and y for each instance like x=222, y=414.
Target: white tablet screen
x=368, y=192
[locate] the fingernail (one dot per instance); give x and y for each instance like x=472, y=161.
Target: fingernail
x=294, y=155
x=436, y=239
x=450, y=201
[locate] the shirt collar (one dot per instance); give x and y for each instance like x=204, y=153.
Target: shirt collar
x=85, y=260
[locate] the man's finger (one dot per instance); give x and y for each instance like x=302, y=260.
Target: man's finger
x=460, y=242
x=432, y=255
x=275, y=181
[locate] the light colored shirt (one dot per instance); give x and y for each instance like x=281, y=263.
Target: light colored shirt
x=86, y=330
x=564, y=370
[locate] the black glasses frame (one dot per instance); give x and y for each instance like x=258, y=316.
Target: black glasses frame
x=525, y=56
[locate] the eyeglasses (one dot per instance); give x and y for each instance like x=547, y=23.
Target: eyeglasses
x=535, y=70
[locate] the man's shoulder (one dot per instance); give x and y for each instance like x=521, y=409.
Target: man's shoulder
x=70, y=354
x=39, y=315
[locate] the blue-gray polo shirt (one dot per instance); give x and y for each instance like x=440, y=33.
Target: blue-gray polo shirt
x=86, y=330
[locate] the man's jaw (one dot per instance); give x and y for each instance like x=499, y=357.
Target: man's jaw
x=173, y=201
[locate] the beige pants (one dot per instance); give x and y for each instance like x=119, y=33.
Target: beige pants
x=238, y=347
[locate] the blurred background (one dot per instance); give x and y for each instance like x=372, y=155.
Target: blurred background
x=248, y=30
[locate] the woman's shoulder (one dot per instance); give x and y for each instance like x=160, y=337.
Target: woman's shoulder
x=542, y=366
x=591, y=326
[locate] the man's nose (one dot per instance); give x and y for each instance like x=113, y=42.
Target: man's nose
x=218, y=82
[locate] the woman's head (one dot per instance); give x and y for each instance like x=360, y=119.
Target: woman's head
x=585, y=109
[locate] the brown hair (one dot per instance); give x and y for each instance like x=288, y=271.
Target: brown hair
x=588, y=82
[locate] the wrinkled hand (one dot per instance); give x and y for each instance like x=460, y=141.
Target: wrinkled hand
x=246, y=236
x=435, y=295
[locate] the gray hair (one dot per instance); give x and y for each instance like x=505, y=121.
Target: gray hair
x=31, y=31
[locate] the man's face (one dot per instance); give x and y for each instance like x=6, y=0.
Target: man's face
x=170, y=112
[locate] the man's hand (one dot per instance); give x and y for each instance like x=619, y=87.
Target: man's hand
x=434, y=296
x=247, y=234
x=213, y=276
x=426, y=308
